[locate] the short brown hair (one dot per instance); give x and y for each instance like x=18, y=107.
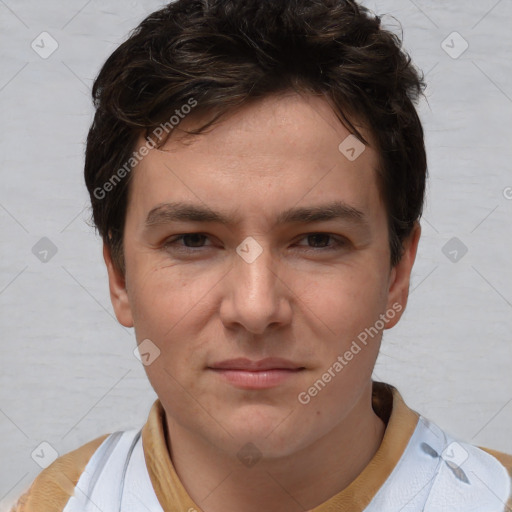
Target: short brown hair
x=226, y=53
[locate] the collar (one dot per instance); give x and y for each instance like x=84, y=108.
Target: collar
x=387, y=403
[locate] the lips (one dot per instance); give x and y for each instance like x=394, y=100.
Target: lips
x=262, y=374
x=242, y=364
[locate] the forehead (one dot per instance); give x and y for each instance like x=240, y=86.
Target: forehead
x=306, y=123
x=280, y=147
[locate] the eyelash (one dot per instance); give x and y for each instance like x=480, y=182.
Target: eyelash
x=340, y=242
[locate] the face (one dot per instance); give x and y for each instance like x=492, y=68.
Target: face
x=257, y=260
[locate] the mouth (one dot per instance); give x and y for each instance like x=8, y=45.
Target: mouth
x=262, y=374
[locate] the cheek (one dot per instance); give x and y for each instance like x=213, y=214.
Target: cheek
x=171, y=307
x=166, y=294
x=347, y=297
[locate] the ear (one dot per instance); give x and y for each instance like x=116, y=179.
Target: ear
x=399, y=278
x=118, y=293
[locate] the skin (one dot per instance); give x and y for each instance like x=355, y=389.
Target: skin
x=304, y=299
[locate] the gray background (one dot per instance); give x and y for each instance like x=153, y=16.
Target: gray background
x=67, y=369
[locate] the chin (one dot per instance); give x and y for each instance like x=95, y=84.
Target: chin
x=266, y=427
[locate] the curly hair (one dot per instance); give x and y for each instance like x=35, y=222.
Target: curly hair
x=226, y=53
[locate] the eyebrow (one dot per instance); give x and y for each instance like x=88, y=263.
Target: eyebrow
x=186, y=212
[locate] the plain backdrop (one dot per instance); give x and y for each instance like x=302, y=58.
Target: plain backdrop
x=67, y=369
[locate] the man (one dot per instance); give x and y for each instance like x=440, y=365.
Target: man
x=257, y=173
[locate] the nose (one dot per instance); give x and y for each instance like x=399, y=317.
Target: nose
x=256, y=296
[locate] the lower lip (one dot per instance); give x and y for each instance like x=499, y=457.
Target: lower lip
x=256, y=379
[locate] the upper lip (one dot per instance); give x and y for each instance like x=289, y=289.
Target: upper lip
x=270, y=363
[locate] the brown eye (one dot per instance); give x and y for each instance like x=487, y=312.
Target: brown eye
x=323, y=241
x=317, y=239
x=186, y=241
x=194, y=239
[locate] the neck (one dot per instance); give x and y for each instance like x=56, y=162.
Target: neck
x=299, y=482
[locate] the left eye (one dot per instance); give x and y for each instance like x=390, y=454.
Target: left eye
x=322, y=239
x=195, y=238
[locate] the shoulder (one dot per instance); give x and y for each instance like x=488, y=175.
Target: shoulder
x=438, y=472
x=504, y=459
x=53, y=487
x=467, y=477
